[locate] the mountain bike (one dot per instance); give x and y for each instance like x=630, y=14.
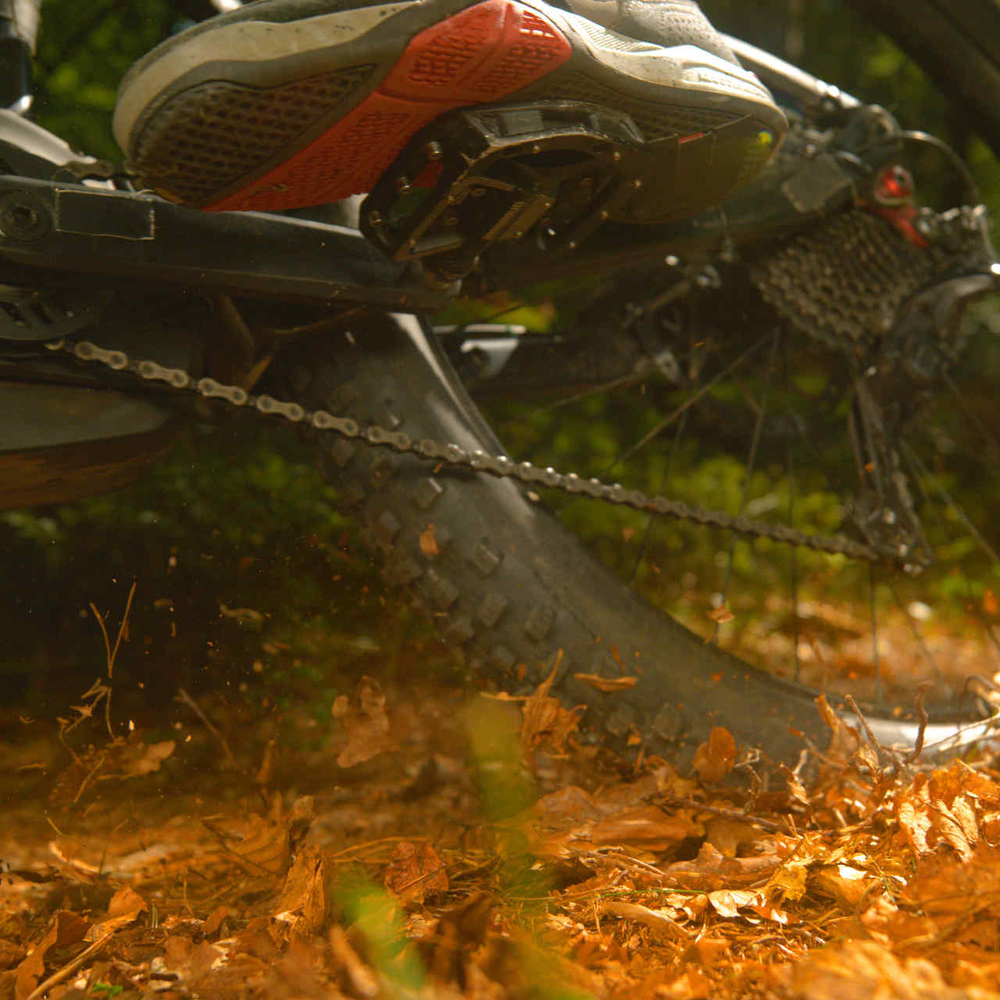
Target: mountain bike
x=811, y=326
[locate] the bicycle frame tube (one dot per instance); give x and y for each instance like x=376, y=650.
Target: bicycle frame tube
x=70, y=227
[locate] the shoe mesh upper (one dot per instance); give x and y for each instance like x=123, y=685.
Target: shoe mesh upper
x=612, y=39
x=663, y=22
x=672, y=22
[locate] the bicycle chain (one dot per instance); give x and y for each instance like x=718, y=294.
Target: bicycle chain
x=455, y=456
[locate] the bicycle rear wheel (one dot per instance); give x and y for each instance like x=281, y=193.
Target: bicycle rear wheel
x=513, y=588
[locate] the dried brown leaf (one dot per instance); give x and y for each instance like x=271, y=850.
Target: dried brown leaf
x=414, y=873
x=844, y=883
x=990, y=603
x=729, y=902
x=828, y=715
x=862, y=970
x=607, y=684
x=714, y=760
x=690, y=985
x=914, y=816
x=144, y=758
x=788, y=881
x=844, y=739
x=260, y=846
x=647, y=827
x=126, y=905
x=212, y=924
x=990, y=826
x=303, y=905
x=945, y=807
x=366, y=724
x=67, y=928
x=126, y=901
x=188, y=960
x=693, y=907
x=721, y=615
x=658, y=921
x=428, y=542
x=958, y=826
x=866, y=757
x=545, y=720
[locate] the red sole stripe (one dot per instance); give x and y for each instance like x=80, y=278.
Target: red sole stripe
x=478, y=56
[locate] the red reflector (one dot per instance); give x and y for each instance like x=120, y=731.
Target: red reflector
x=893, y=188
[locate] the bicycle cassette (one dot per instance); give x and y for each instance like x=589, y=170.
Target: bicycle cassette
x=553, y=171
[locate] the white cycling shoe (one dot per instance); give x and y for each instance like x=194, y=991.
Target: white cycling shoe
x=289, y=103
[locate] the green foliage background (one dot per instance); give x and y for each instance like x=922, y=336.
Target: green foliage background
x=241, y=519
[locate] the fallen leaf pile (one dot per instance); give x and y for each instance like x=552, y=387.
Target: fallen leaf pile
x=368, y=870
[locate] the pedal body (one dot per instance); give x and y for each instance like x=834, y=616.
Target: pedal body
x=549, y=172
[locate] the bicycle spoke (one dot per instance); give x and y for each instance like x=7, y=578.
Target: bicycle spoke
x=493, y=317
x=793, y=558
x=660, y=488
x=918, y=638
x=955, y=506
x=876, y=659
x=687, y=404
x=597, y=390
x=751, y=462
x=971, y=599
x=988, y=436
x=973, y=602
x=790, y=474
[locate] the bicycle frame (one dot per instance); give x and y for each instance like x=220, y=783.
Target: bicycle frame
x=66, y=216
x=71, y=214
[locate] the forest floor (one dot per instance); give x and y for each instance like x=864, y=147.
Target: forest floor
x=419, y=841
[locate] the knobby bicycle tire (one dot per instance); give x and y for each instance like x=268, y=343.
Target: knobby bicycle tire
x=512, y=587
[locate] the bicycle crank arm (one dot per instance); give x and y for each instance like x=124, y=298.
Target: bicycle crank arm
x=70, y=227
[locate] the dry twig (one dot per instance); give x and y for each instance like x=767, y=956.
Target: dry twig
x=69, y=968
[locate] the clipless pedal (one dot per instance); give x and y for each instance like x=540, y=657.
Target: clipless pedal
x=550, y=172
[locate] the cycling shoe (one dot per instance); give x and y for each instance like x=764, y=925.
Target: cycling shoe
x=290, y=103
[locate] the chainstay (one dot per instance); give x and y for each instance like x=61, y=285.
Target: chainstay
x=454, y=456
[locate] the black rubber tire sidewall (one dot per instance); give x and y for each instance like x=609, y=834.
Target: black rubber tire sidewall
x=508, y=584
